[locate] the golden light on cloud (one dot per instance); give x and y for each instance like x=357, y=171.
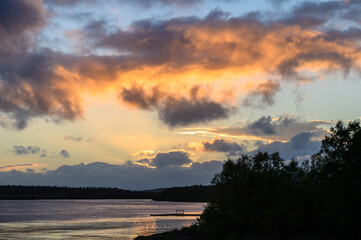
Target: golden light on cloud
x=19, y=167
x=177, y=67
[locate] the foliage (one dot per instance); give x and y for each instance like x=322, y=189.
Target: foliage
x=196, y=193
x=262, y=197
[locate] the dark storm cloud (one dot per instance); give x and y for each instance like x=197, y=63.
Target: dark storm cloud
x=127, y=176
x=176, y=112
x=21, y=150
x=299, y=146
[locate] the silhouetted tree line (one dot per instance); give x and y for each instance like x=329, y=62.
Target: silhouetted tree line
x=196, y=193
x=52, y=192
x=263, y=197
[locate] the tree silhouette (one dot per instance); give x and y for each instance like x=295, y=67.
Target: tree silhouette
x=261, y=197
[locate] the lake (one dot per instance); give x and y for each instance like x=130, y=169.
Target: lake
x=90, y=219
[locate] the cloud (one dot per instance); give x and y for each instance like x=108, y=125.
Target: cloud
x=151, y=3
x=262, y=126
x=167, y=159
x=300, y=146
x=126, y=176
x=16, y=166
x=72, y=138
x=32, y=90
x=266, y=91
x=140, y=3
x=280, y=128
x=316, y=13
x=64, y=154
x=183, y=42
x=142, y=153
x=173, y=111
x=222, y=57
x=77, y=139
x=21, y=150
x=67, y=3
x=226, y=146
x=184, y=112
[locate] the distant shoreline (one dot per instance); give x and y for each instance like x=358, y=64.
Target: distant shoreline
x=175, y=194
x=9, y=192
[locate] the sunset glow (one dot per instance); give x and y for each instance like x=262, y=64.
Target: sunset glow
x=134, y=93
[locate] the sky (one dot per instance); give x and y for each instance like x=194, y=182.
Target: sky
x=144, y=94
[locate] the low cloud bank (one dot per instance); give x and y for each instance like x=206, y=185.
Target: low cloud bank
x=126, y=176
x=300, y=147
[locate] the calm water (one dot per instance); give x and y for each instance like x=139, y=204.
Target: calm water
x=89, y=219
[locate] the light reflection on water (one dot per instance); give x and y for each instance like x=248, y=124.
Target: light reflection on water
x=89, y=219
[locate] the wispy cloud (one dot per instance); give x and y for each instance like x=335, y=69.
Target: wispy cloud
x=42, y=153
x=17, y=166
x=266, y=128
x=21, y=150
x=77, y=138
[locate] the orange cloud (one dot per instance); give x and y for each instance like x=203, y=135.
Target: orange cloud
x=17, y=167
x=189, y=70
